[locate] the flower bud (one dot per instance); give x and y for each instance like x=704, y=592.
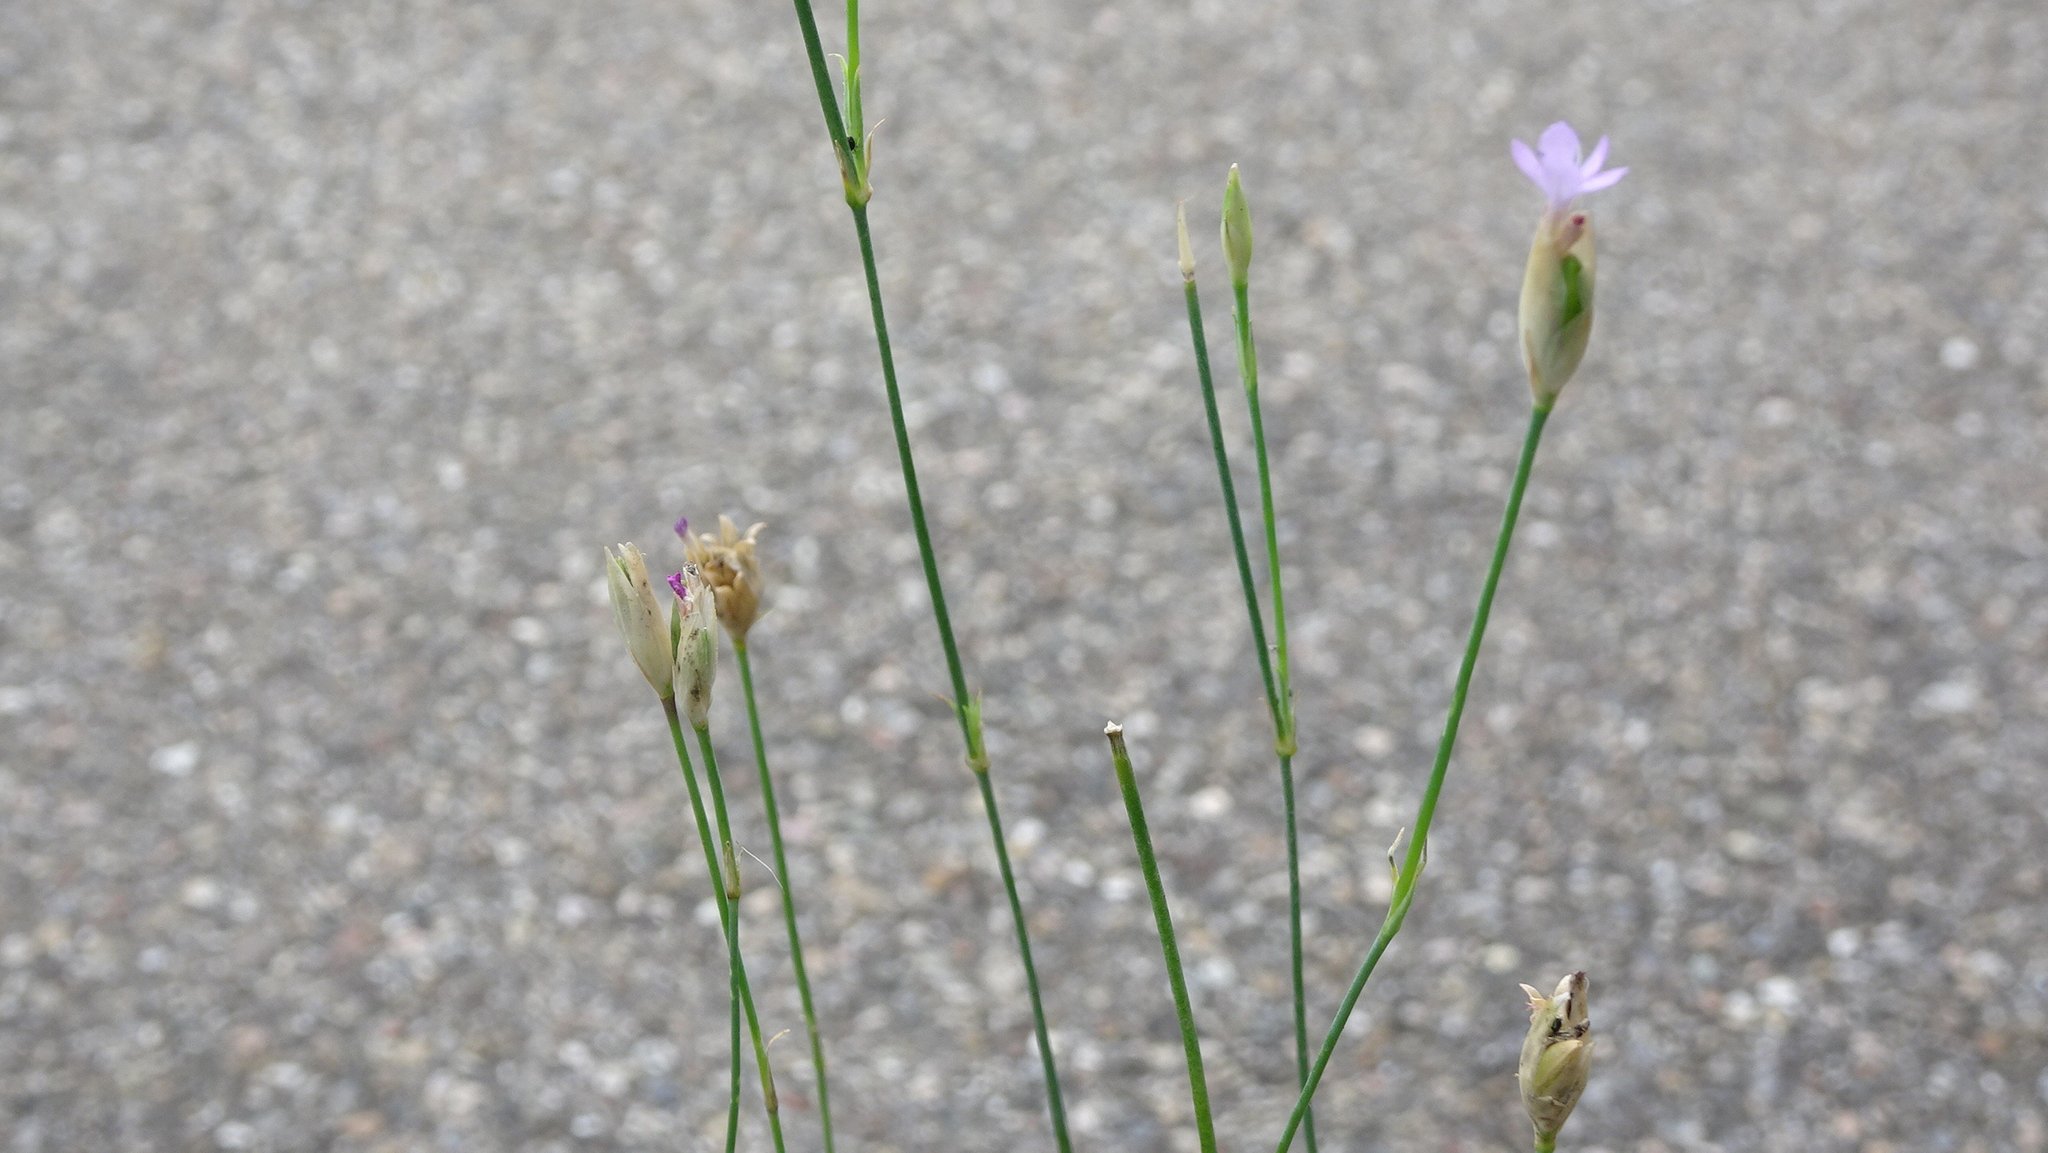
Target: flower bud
x=696, y=649
x=638, y=614
x=1557, y=1055
x=1557, y=302
x=1557, y=289
x=1187, y=248
x=1237, y=230
x=729, y=567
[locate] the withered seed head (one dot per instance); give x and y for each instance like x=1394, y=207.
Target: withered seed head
x=732, y=571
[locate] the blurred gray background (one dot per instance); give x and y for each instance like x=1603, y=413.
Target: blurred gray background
x=338, y=338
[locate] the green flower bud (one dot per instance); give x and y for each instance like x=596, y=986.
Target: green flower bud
x=1237, y=230
x=1557, y=302
x=638, y=615
x=1557, y=1055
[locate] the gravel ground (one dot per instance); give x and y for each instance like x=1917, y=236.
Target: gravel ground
x=339, y=337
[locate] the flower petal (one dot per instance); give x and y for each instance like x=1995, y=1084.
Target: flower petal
x=1607, y=179
x=1591, y=167
x=1525, y=159
x=1559, y=140
x=1559, y=152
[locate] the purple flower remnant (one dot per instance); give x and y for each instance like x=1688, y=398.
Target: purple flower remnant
x=675, y=581
x=683, y=527
x=1554, y=165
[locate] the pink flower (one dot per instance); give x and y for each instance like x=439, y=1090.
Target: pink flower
x=1556, y=168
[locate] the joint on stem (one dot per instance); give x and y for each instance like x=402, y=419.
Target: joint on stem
x=970, y=724
x=856, y=159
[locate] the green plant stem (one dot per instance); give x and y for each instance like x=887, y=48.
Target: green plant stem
x=1190, y=1039
x=853, y=113
x=1546, y=1144
x=732, y=888
x=963, y=709
x=1294, y=940
x=1222, y=454
x=1248, y=368
x=912, y=494
x=796, y=944
x=728, y=915
x=1281, y=695
x=1411, y=866
x=1045, y=1059
x=821, y=77
x=969, y=718
x=732, y=1110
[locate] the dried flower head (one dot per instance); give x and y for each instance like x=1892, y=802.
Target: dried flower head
x=696, y=652
x=638, y=614
x=1557, y=1056
x=731, y=570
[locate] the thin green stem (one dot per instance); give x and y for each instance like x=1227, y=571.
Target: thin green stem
x=850, y=153
x=1248, y=368
x=732, y=1109
x=853, y=114
x=1283, y=705
x=1190, y=1039
x=1411, y=866
x=1222, y=454
x=728, y=916
x=796, y=944
x=1294, y=939
x=963, y=708
x=814, y=51
x=912, y=494
x=1054, y=1101
x=1545, y=1144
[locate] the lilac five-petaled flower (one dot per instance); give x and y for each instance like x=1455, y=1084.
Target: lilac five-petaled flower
x=1556, y=168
